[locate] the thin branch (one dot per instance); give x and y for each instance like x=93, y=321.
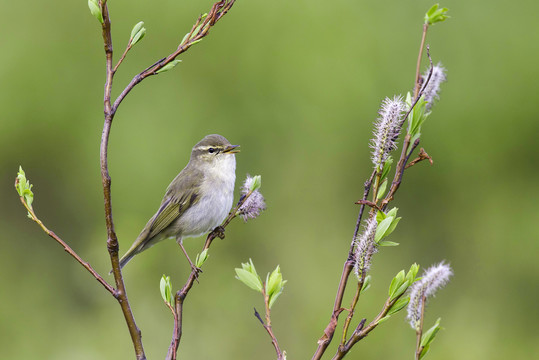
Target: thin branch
x=267, y=325
x=369, y=203
x=362, y=331
x=182, y=294
x=67, y=248
x=122, y=57
x=329, y=331
x=367, y=188
x=351, y=312
x=112, y=240
x=405, y=155
x=419, y=332
x=419, y=56
x=218, y=10
x=420, y=157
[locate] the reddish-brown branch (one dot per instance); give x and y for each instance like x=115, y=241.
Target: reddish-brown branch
x=419, y=56
x=420, y=157
x=405, y=154
x=329, y=331
x=218, y=10
x=351, y=311
x=67, y=248
x=267, y=326
x=112, y=240
x=193, y=276
x=369, y=203
x=419, y=332
x=362, y=331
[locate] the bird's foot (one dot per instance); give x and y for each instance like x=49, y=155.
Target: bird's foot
x=195, y=271
x=219, y=232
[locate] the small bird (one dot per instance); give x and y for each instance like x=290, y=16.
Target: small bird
x=196, y=201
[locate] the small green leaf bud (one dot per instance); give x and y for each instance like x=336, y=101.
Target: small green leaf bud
x=201, y=258
x=436, y=14
x=93, y=5
x=166, y=290
x=249, y=279
x=399, y=305
x=248, y=275
x=24, y=188
x=366, y=284
x=137, y=33
x=168, y=66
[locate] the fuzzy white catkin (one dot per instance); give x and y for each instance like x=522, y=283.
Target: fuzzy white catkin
x=433, y=279
x=387, y=129
x=254, y=204
x=432, y=91
x=365, y=247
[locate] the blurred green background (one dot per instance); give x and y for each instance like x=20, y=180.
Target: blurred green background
x=298, y=85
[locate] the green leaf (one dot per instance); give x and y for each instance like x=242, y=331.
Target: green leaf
x=388, y=243
x=184, y=38
x=436, y=14
x=197, y=29
x=93, y=5
x=383, y=319
x=196, y=41
x=412, y=273
x=201, y=258
x=24, y=188
x=274, y=285
x=250, y=267
x=430, y=334
x=392, y=226
x=256, y=183
x=382, y=228
x=397, y=281
x=168, y=66
x=382, y=189
x=380, y=216
x=366, y=284
x=249, y=279
x=274, y=297
x=400, y=290
x=166, y=290
x=408, y=99
x=387, y=167
x=274, y=282
x=138, y=36
x=398, y=305
x=424, y=351
x=417, y=117
x=392, y=212
x=136, y=29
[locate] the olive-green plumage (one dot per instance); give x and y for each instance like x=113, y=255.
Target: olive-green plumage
x=197, y=200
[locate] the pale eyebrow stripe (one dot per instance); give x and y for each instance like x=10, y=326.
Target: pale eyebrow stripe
x=207, y=147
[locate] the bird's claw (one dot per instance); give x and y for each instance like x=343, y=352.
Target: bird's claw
x=219, y=232
x=195, y=270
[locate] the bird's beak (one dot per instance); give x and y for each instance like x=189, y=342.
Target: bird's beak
x=231, y=149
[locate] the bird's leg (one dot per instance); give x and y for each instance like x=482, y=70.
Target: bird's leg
x=179, y=240
x=219, y=232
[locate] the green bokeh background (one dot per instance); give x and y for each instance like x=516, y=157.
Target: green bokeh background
x=298, y=85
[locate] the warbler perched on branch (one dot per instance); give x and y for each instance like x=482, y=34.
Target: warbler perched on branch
x=196, y=201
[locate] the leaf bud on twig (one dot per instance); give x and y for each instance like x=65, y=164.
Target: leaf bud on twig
x=93, y=5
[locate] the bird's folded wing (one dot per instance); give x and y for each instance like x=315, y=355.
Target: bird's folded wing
x=170, y=210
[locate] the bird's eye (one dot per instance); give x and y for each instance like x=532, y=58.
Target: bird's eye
x=211, y=150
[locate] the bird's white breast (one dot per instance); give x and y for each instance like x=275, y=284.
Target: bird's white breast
x=217, y=195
